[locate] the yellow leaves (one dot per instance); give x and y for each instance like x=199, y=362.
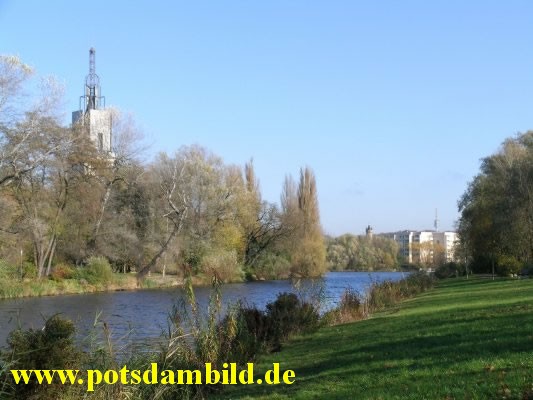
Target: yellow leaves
x=309, y=256
x=229, y=236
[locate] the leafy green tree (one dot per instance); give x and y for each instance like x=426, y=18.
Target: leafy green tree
x=497, y=208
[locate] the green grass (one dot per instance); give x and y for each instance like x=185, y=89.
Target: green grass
x=465, y=339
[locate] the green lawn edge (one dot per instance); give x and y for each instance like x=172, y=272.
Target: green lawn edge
x=464, y=339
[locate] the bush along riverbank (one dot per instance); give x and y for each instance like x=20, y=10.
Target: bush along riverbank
x=95, y=276
x=244, y=334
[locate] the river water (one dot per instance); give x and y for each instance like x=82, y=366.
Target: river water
x=142, y=315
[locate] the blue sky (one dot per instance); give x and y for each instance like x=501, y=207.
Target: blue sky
x=391, y=103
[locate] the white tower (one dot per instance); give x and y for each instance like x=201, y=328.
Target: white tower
x=92, y=112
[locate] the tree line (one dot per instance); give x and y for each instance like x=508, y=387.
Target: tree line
x=362, y=253
x=187, y=211
x=496, y=222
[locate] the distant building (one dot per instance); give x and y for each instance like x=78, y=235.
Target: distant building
x=420, y=247
x=369, y=232
x=448, y=242
x=92, y=113
x=404, y=240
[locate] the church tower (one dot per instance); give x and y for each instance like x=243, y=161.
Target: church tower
x=92, y=112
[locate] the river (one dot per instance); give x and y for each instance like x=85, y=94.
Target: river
x=143, y=314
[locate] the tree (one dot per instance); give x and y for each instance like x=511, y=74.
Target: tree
x=261, y=222
x=302, y=217
x=170, y=199
x=125, y=166
x=497, y=208
x=35, y=165
x=196, y=193
x=42, y=192
x=109, y=209
x=17, y=114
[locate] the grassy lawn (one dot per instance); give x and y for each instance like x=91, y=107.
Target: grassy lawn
x=465, y=339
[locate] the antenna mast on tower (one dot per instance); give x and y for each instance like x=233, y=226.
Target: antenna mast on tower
x=92, y=114
x=92, y=99
x=436, y=223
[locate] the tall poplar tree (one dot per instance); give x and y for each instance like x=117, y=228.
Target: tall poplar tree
x=306, y=245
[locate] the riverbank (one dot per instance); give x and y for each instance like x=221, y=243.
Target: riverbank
x=32, y=287
x=464, y=339
x=118, y=282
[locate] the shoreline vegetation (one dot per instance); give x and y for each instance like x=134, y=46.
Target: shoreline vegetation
x=97, y=276
x=241, y=335
x=120, y=282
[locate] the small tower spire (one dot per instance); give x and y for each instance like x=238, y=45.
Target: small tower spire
x=436, y=223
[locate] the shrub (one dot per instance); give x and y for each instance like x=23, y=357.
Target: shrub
x=387, y=293
x=97, y=271
x=223, y=264
x=349, y=309
x=271, y=266
x=258, y=331
x=11, y=277
x=62, y=271
x=508, y=265
x=251, y=335
x=382, y=295
x=449, y=270
x=416, y=283
x=49, y=348
x=16, y=271
x=29, y=270
x=287, y=316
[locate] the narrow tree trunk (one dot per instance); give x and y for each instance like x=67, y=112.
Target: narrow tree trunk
x=96, y=230
x=147, y=268
x=37, y=260
x=51, y=255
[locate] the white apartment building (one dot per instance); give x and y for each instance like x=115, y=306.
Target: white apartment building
x=447, y=240
x=419, y=247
